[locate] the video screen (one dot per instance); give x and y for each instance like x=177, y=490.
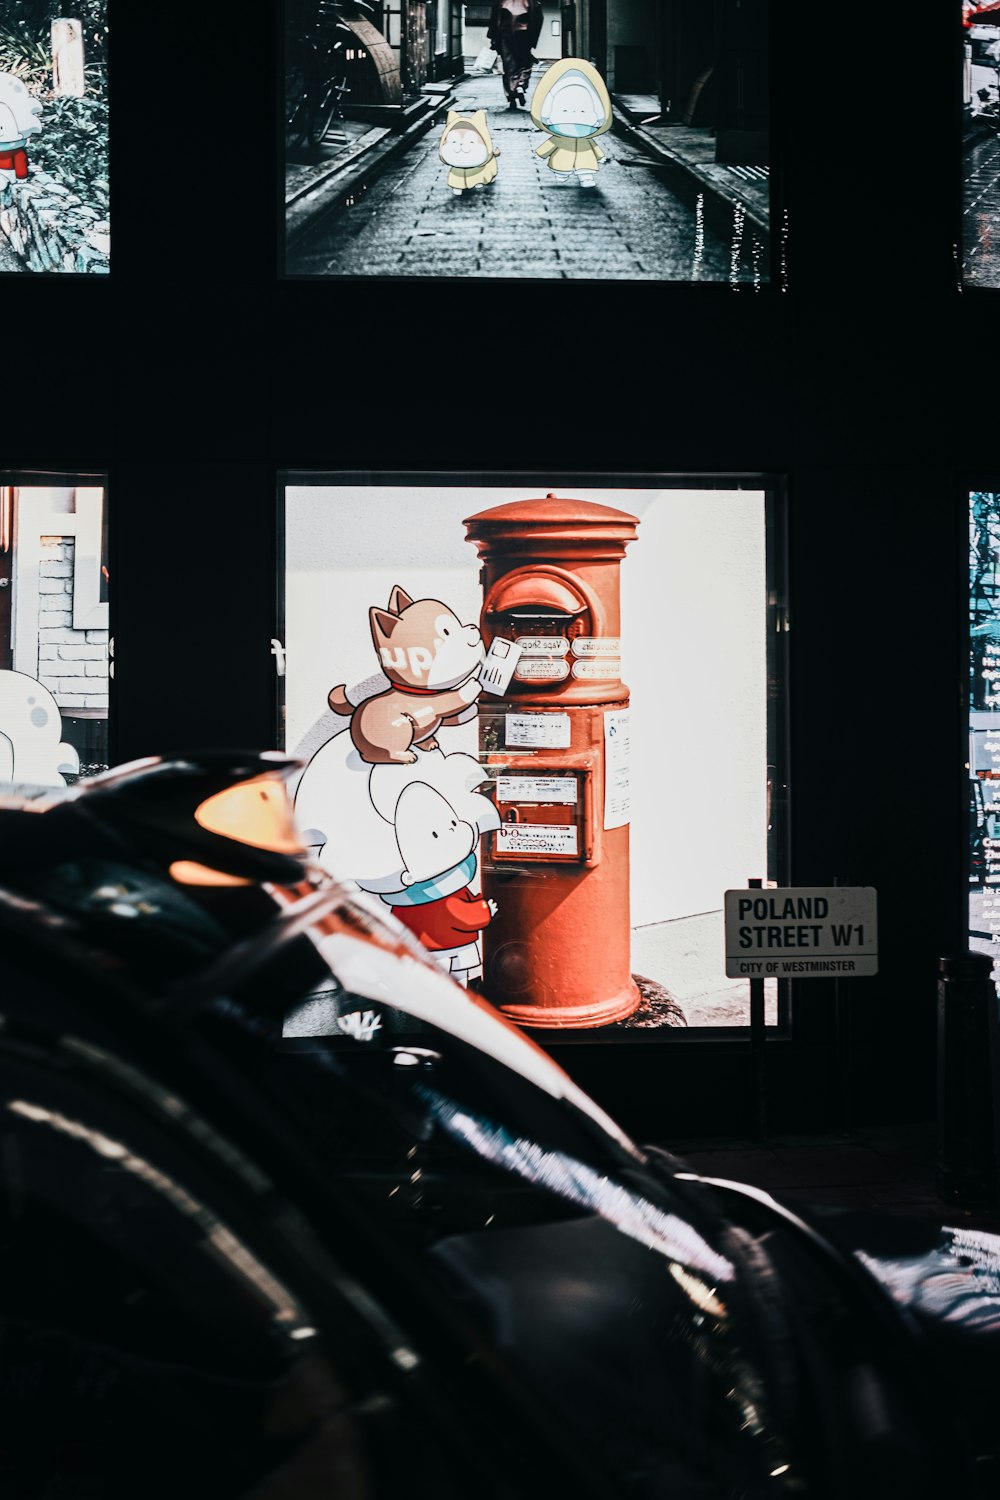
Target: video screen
x=980, y=152
x=54, y=640
x=984, y=723
x=540, y=723
x=55, y=207
x=526, y=139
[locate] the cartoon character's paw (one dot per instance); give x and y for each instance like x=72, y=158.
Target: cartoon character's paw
x=470, y=691
x=431, y=743
x=457, y=192
x=587, y=179
x=492, y=906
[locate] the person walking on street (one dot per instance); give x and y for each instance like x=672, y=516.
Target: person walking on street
x=514, y=29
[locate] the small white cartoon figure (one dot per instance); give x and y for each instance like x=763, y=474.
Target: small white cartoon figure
x=31, y=750
x=430, y=662
x=467, y=148
x=407, y=833
x=571, y=103
x=18, y=121
x=438, y=850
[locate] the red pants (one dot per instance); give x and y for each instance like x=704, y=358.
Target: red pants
x=15, y=161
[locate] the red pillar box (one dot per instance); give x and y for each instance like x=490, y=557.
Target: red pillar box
x=557, y=952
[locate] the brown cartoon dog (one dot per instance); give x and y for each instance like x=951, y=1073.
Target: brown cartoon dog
x=431, y=660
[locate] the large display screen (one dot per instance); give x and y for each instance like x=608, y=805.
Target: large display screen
x=541, y=723
x=55, y=207
x=54, y=640
x=980, y=152
x=984, y=722
x=524, y=139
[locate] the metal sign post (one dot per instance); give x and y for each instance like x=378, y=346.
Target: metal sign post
x=801, y=932
x=758, y=1036
x=844, y=1024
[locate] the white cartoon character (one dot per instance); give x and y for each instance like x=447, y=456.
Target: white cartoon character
x=31, y=748
x=19, y=113
x=571, y=103
x=406, y=833
x=437, y=904
x=467, y=148
x=430, y=663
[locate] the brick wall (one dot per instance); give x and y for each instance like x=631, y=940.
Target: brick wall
x=72, y=664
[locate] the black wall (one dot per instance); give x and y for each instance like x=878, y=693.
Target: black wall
x=192, y=374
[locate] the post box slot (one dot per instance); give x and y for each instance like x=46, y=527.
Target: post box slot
x=545, y=637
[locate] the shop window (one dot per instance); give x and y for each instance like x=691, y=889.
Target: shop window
x=984, y=722
x=55, y=213
x=588, y=104
x=980, y=144
x=55, y=644
x=559, y=826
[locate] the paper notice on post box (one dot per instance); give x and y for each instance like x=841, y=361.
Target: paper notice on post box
x=537, y=838
x=498, y=668
x=536, y=789
x=617, y=768
x=536, y=731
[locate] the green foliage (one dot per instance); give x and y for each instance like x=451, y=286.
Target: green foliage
x=25, y=39
x=25, y=56
x=73, y=146
x=37, y=15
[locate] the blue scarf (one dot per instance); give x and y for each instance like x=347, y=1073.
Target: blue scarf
x=574, y=129
x=439, y=886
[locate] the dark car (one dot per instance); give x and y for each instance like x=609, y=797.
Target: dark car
x=408, y=1257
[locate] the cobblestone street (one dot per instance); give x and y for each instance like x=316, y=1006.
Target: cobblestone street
x=629, y=226
x=981, y=213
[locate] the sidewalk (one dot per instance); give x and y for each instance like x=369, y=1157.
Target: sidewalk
x=981, y=211
x=355, y=151
x=688, y=153
x=884, y=1169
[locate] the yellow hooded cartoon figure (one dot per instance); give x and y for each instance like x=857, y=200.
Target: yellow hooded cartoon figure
x=467, y=149
x=571, y=103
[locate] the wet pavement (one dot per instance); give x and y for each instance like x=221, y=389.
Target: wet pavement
x=981, y=212
x=629, y=226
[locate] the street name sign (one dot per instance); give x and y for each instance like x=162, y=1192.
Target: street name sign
x=801, y=932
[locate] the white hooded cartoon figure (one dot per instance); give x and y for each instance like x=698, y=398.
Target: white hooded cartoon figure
x=437, y=903
x=31, y=747
x=19, y=113
x=571, y=103
x=407, y=833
